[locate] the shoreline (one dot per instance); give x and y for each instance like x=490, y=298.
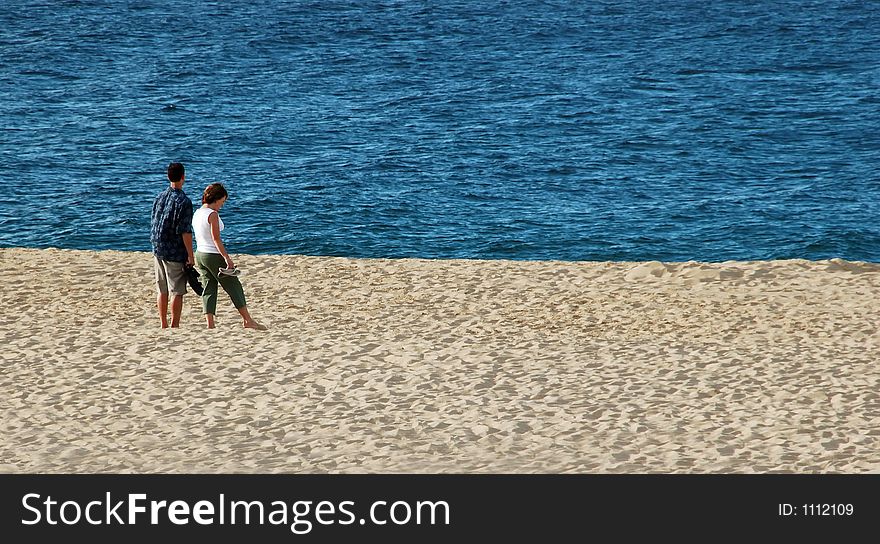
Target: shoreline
x=838, y=260
x=428, y=365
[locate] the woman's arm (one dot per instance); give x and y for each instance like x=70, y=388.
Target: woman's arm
x=214, y=221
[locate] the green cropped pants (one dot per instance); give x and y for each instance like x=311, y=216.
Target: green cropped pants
x=209, y=267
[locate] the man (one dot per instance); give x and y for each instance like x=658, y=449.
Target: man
x=171, y=236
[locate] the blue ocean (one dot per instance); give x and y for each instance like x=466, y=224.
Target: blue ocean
x=561, y=129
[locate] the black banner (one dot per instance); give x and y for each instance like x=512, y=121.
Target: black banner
x=408, y=508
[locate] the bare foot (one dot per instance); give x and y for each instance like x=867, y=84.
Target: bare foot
x=254, y=325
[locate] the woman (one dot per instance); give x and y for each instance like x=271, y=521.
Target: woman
x=211, y=257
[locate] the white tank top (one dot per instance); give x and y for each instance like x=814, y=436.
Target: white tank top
x=202, y=231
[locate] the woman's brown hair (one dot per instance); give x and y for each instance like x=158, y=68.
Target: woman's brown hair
x=213, y=193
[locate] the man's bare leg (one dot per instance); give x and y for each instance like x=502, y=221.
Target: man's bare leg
x=210, y=319
x=162, y=305
x=176, y=310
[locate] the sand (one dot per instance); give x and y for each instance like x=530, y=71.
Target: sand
x=427, y=366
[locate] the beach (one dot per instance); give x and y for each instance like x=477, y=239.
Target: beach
x=442, y=366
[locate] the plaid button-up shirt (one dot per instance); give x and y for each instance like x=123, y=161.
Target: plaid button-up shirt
x=171, y=217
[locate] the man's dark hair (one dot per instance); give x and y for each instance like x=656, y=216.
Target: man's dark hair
x=175, y=172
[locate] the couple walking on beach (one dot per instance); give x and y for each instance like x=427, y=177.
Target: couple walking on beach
x=171, y=233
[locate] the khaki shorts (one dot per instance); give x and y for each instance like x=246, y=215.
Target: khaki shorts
x=170, y=276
